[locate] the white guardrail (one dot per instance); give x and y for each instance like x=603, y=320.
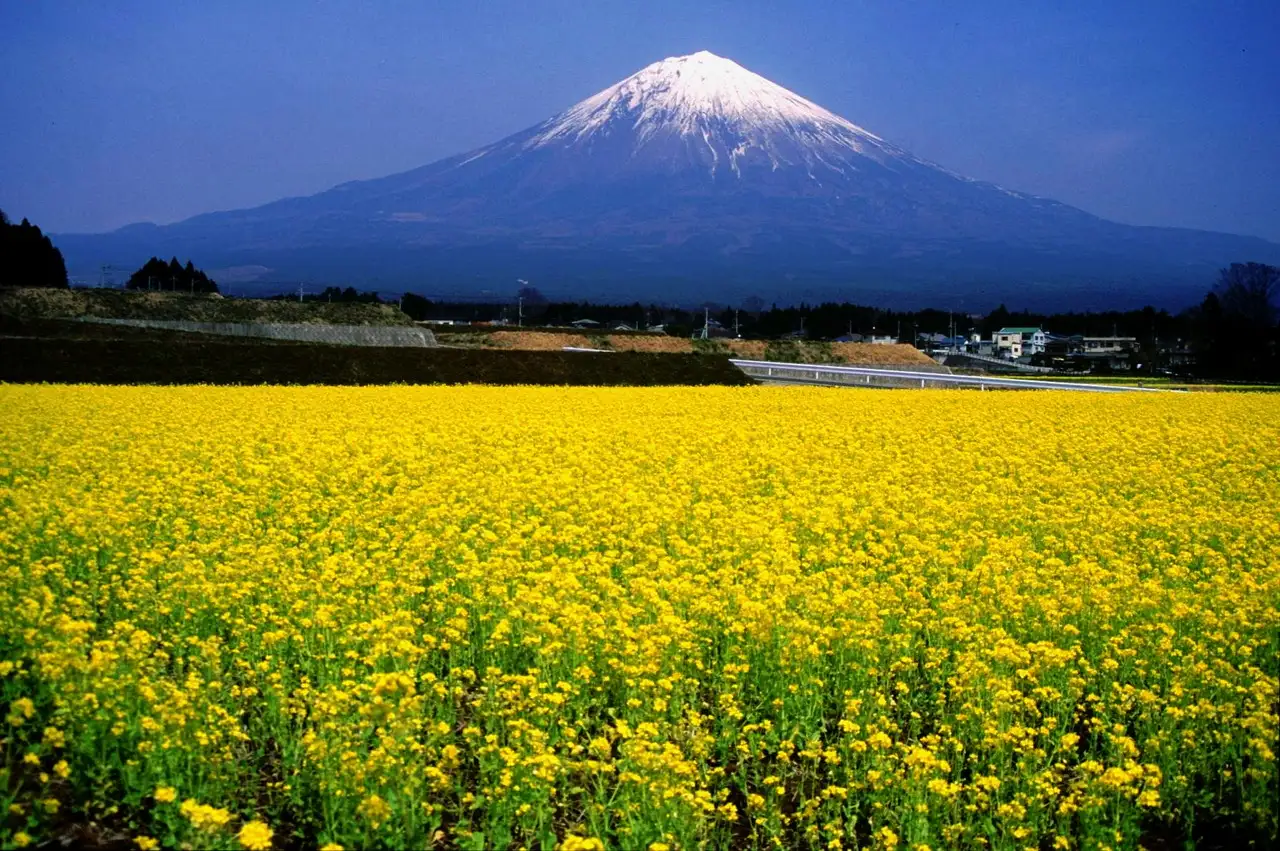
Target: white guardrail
x=853, y=376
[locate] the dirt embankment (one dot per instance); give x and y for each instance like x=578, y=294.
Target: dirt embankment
x=25, y=303
x=541, y=341
x=533, y=340
x=895, y=353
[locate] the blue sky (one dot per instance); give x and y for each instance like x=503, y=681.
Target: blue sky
x=1162, y=113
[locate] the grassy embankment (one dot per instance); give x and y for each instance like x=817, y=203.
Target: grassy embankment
x=31, y=304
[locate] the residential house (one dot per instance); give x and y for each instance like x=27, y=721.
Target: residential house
x=1064, y=346
x=931, y=341
x=1177, y=353
x=1109, y=345
x=1016, y=342
x=978, y=346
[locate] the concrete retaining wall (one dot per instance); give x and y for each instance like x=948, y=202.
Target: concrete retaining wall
x=387, y=336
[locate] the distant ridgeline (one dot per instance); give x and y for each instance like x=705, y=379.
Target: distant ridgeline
x=156, y=274
x=28, y=258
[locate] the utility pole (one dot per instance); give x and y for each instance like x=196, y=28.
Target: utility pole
x=706, y=315
x=520, y=302
x=300, y=291
x=736, y=331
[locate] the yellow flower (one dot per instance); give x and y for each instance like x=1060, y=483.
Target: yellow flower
x=146, y=843
x=21, y=839
x=19, y=711
x=332, y=846
x=166, y=794
x=255, y=836
x=61, y=769
x=578, y=843
x=204, y=817
x=375, y=810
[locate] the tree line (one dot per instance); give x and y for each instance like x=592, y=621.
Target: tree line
x=1234, y=332
x=28, y=258
x=158, y=275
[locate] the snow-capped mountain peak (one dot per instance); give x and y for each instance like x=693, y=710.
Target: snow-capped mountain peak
x=704, y=96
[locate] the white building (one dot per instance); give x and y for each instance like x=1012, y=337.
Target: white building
x=1016, y=342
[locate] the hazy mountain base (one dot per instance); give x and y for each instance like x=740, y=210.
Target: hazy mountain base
x=967, y=277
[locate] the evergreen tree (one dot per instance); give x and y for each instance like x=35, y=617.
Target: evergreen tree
x=28, y=258
x=156, y=274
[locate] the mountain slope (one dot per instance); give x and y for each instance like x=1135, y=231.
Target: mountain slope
x=695, y=170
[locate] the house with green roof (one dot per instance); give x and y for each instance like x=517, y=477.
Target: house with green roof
x=1016, y=342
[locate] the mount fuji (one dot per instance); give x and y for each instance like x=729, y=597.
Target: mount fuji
x=695, y=179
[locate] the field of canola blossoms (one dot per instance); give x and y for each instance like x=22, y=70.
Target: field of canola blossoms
x=637, y=618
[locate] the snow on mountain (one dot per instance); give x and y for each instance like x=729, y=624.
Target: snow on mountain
x=702, y=94
x=724, y=116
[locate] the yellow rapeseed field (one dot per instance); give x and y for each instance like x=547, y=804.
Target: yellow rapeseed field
x=637, y=618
